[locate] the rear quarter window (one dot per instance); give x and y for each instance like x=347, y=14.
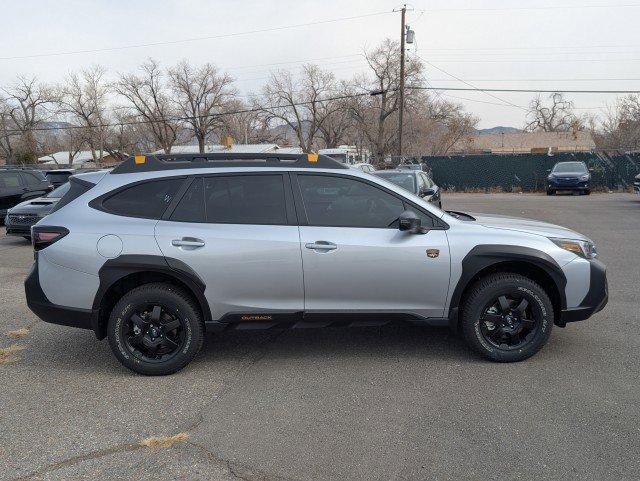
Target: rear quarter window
x=148, y=200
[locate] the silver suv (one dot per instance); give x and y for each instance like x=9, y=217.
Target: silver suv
x=164, y=248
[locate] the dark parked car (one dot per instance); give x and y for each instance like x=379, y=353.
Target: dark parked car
x=416, y=182
x=570, y=176
x=59, y=176
x=20, y=218
x=18, y=185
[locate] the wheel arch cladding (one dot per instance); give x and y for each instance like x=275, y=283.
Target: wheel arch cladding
x=486, y=259
x=120, y=275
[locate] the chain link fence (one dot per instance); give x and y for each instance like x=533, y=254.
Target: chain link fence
x=528, y=172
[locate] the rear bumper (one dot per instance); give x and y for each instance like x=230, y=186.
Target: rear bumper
x=596, y=298
x=53, y=313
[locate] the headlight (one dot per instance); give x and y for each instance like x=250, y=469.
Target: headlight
x=581, y=248
x=584, y=177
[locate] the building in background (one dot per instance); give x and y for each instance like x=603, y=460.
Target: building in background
x=524, y=142
x=81, y=159
x=348, y=154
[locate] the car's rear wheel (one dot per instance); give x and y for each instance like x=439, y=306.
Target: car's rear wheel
x=507, y=317
x=551, y=192
x=155, y=329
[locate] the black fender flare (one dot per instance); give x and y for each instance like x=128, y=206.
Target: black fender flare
x=483, y=256
x=115, y=269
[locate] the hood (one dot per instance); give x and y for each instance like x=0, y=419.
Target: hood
x=527, y=225
x=39, y=205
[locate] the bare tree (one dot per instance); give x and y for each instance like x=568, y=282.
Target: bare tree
x=300, y=102
x=200, y=95
x=556, y=117
x=24, y=107
x=338, y=120
x=245, y=123
x=83, y=100
x=377, y=115
x=620, y=128
x=149, y=101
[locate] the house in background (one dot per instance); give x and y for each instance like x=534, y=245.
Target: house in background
x=83, y=158
x=525, y=142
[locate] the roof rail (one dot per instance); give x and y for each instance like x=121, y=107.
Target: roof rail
x=154, y=162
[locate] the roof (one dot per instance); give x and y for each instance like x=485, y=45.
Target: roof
x=235, y=149
x=574, y=141
x=79, y=158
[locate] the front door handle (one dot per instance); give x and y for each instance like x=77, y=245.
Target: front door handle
x=321, y=246
x=192, y=242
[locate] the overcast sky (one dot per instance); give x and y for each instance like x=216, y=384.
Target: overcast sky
x=489, y=43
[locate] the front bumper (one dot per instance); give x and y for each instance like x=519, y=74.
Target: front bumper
x=20, y=224
x=556, y=185
x=596, y=298
x=53, y=313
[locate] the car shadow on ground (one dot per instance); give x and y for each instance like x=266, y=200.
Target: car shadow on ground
x=80, y=352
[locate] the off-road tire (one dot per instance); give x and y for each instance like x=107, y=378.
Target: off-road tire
x=491, y=287
x=167, y=295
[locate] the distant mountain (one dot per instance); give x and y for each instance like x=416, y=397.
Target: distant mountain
x=498, y=130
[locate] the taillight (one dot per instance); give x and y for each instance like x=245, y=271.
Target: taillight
x=43, y=235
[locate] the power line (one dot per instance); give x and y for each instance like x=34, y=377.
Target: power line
x=194, y=39
x=473, y=87
x=565, y=91
x=550, y=7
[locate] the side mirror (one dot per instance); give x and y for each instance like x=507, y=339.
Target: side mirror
x=427, y=192
x=410, y=222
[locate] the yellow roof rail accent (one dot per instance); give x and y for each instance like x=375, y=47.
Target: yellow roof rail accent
x=312, y=157
x=140, y=159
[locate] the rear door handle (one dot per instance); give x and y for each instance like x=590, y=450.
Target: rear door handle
x=192, y=242
x=321, y=246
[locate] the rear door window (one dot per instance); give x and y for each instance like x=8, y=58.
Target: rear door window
x=191, y=206
x=245, y=199
x=31, y=180
x=147, y=200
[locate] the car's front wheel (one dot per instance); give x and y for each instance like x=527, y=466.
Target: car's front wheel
x=507, y=317
x=155, y=329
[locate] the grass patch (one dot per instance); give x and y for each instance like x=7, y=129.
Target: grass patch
x=8, y=354
x=18, y=333
x=164, y=441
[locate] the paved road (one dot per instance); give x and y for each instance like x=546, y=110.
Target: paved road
x=386, y=403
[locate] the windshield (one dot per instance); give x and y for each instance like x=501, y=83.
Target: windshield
x=59, y=192
x=403, y=179
x=570, y=167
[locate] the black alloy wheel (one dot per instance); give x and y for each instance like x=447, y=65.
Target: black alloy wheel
x=154, y=334
x=509, y=322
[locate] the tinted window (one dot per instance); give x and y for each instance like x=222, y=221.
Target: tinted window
x=245, y=199
x=148, y=200
x=341, y=202
x=10, y=180
x=191, y=206
x=58, y=192
x=404, y=180
x=570, y=167
x=58, y=176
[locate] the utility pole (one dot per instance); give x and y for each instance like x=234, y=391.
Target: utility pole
x=401, y=103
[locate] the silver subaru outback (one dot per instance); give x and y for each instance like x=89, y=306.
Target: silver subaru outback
x=163, y=248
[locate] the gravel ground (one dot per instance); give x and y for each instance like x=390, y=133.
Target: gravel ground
x=371, y=403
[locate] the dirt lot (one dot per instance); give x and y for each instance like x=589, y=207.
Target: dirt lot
x=376, y=403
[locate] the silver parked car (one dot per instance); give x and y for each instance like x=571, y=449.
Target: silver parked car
x=163, y=248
